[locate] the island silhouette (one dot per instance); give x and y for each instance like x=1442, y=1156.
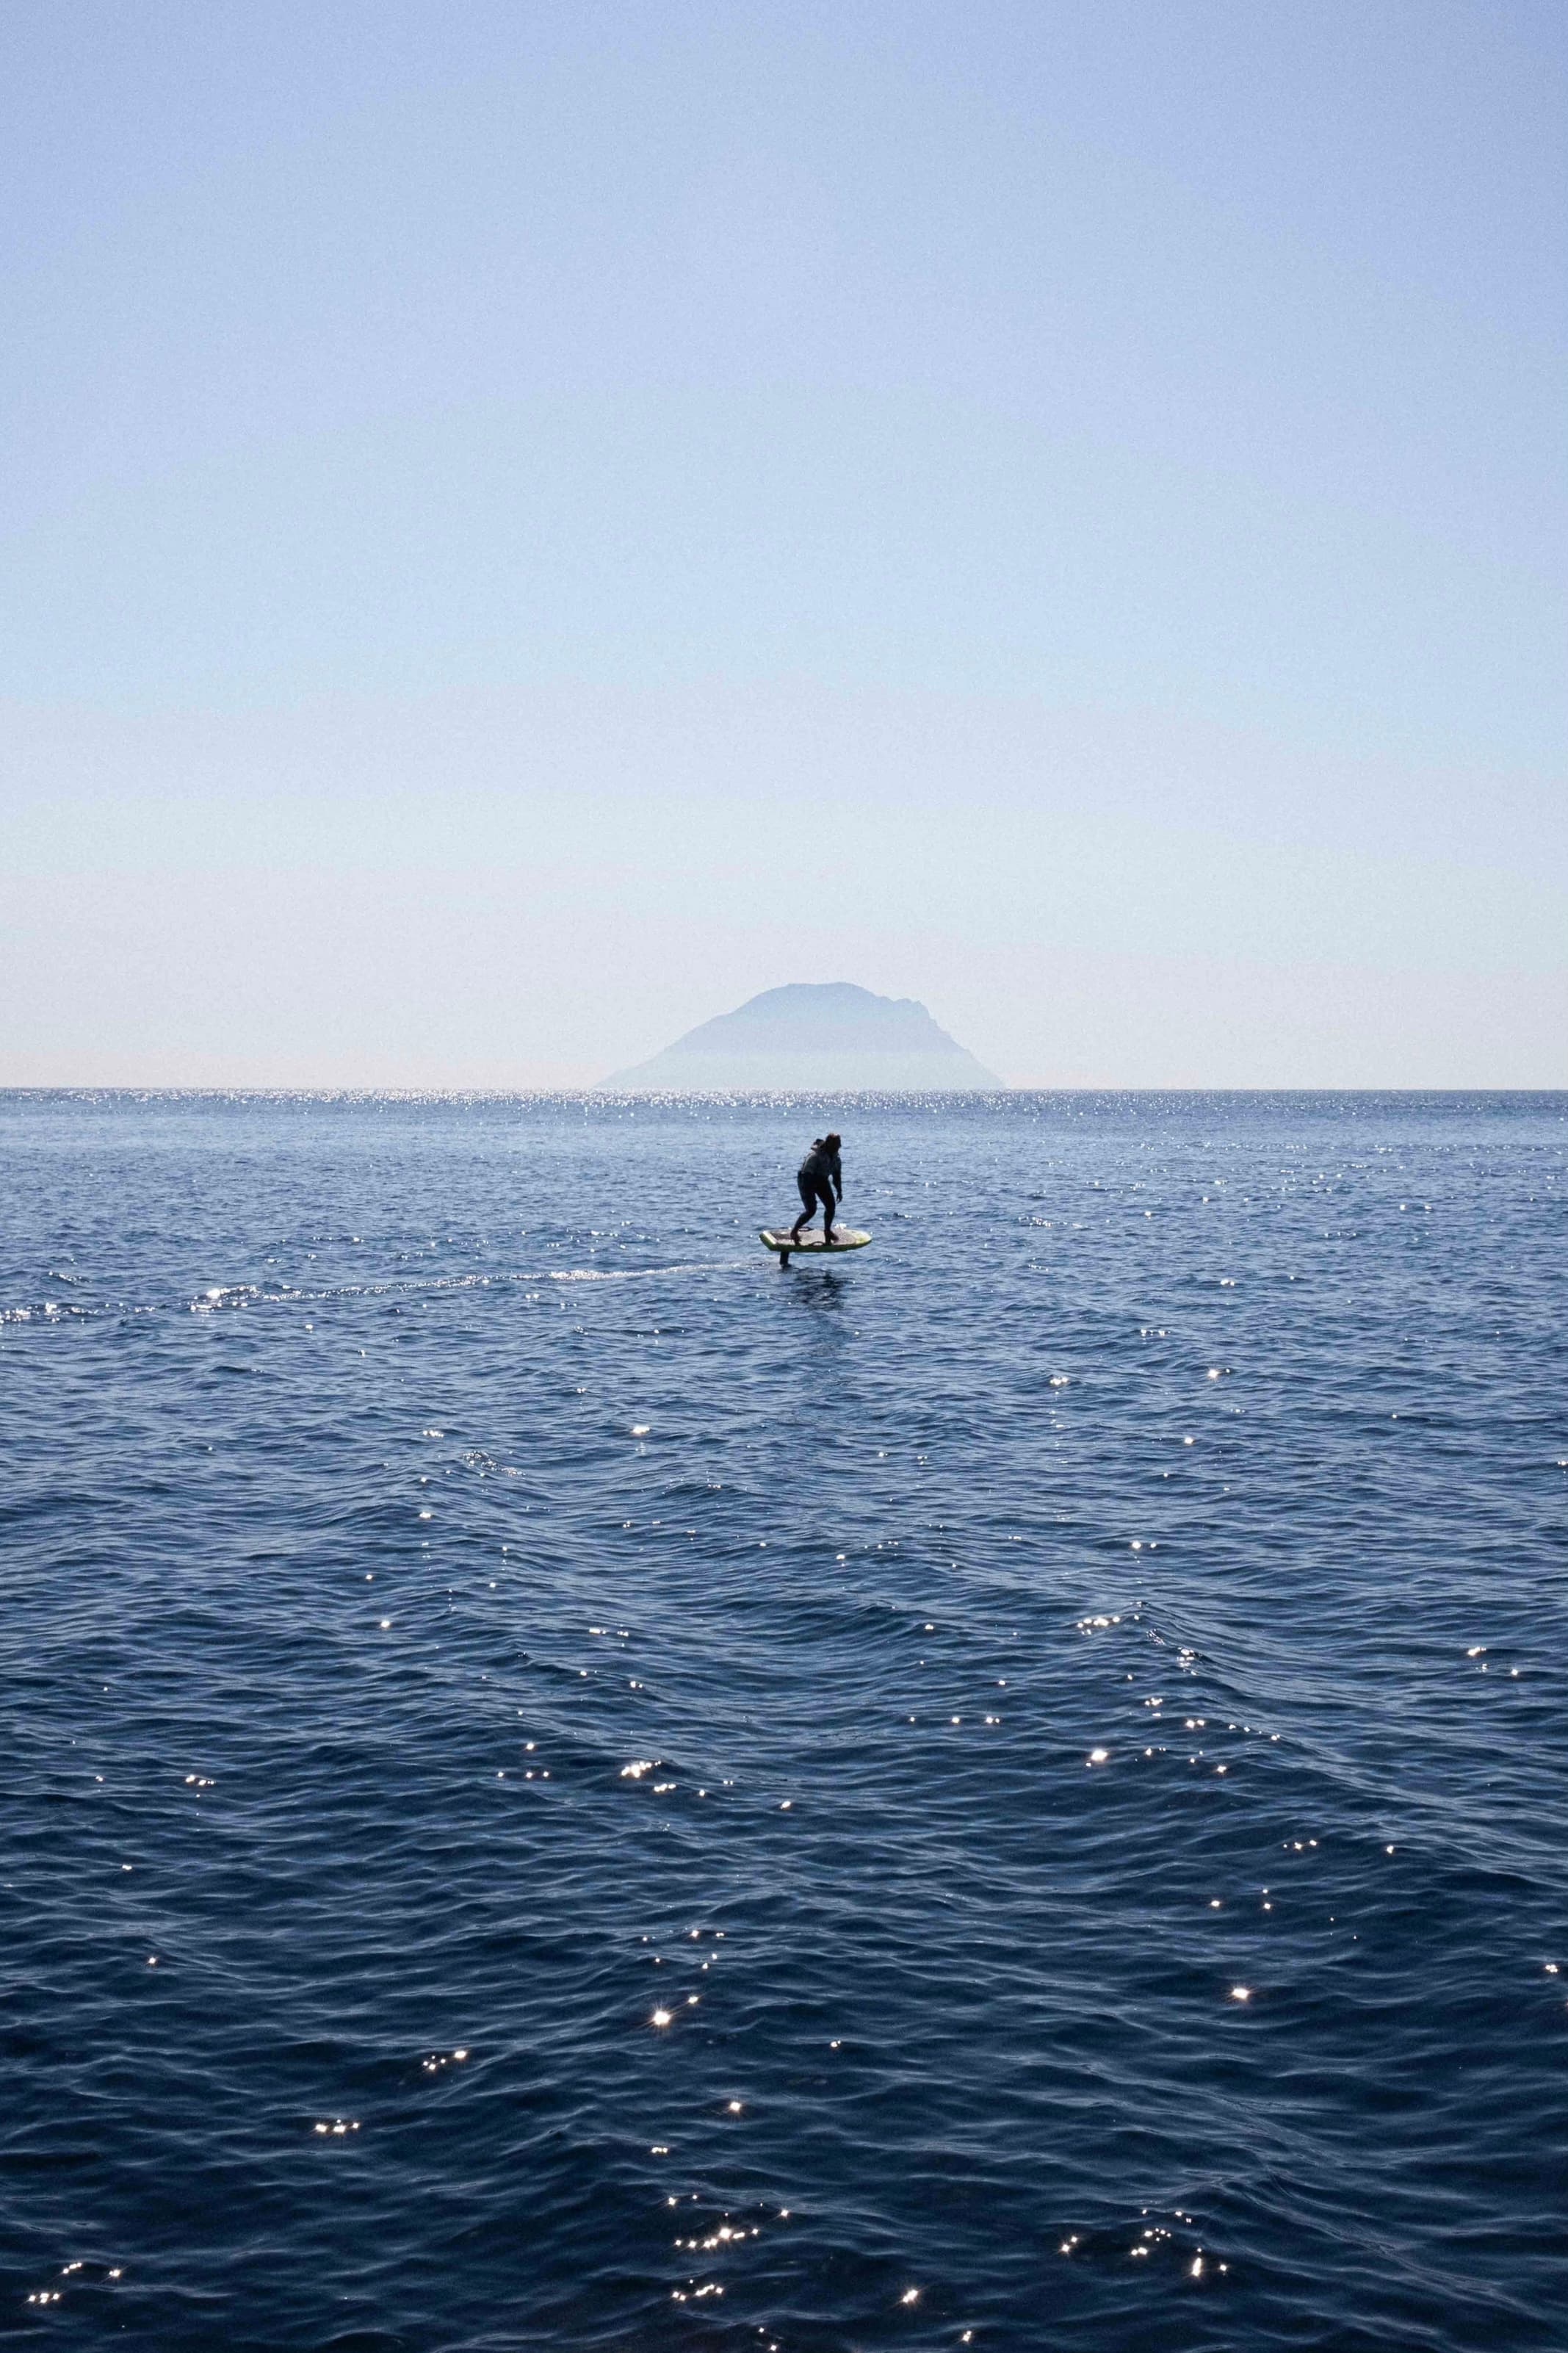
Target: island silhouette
x=822, y=1036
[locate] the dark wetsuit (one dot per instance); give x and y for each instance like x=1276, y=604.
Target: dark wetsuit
x=821, y=1178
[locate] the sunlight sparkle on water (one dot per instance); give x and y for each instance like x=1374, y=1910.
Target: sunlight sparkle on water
x=344, y=1889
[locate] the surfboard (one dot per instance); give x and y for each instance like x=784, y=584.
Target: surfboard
x=845, y=1237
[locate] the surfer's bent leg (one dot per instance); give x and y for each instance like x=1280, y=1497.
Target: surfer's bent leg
x=808, y=1198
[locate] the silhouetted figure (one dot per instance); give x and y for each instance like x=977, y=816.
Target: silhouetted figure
x=821, y=1178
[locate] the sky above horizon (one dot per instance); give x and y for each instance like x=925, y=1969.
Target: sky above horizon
x=527, y=525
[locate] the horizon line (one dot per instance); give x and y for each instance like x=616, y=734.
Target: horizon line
x=597, y=1090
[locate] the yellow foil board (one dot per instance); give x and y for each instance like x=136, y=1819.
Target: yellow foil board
x=845, y=1237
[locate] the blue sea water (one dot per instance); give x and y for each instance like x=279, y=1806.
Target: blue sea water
x=566, y=1787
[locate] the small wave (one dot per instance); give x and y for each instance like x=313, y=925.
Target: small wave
x=639, y=1274
x=223, y=1294
x=219, y=1298
x=51, y=1310
x=251, y=1294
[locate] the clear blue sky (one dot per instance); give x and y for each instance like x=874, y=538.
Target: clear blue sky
x=524, y=524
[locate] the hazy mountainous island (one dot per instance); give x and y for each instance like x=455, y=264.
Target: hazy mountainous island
x=826, y=1038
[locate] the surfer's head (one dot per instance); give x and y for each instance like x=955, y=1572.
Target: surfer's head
x=833, y=1141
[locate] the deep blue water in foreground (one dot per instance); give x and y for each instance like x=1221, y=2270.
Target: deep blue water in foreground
x=567, y=1787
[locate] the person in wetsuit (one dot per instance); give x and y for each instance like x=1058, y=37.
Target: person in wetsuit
x=821, y=1178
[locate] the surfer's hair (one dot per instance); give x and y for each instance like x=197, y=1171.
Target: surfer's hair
x=831, y=1137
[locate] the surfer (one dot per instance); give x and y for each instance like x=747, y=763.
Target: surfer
x=821, y=1178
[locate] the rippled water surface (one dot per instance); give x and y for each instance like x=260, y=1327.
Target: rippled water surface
x=569, y=1788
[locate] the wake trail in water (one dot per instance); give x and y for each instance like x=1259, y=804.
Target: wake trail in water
x=226, y=1296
